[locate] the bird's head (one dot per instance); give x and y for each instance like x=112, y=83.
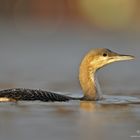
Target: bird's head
x=98, y=58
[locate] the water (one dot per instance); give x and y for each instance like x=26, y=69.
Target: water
x=71, y=120
x=119, y=100
x=34, y=58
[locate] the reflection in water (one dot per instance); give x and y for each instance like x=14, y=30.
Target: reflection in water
x=107, y=121
x=90, y=106
x=68, y=120
x=109, y=102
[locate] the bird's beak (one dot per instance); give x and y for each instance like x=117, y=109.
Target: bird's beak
x=123, y=57
x=120, y=57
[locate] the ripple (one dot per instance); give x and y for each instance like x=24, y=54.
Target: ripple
x=107, y=99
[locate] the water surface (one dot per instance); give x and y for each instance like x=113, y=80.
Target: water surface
x=70, y=120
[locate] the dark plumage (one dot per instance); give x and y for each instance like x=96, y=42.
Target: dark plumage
x=32, y=95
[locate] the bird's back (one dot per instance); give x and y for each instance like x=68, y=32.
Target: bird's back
x=31, y=95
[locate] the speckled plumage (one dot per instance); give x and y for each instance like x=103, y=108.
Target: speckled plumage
x=32, y=95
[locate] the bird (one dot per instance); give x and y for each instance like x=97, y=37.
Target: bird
x=93, y=61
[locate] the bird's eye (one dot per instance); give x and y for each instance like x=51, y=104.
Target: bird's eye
x=104, y=54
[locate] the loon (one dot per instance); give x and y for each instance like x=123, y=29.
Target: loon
x=91, y=63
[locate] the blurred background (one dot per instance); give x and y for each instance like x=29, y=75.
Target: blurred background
x=42, y=42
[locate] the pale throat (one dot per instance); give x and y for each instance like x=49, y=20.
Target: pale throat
x=89, y=83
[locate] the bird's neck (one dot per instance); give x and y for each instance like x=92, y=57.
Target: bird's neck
x=89, y=82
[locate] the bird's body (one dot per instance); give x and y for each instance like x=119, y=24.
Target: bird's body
x=92, y=62
x=19, y=94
